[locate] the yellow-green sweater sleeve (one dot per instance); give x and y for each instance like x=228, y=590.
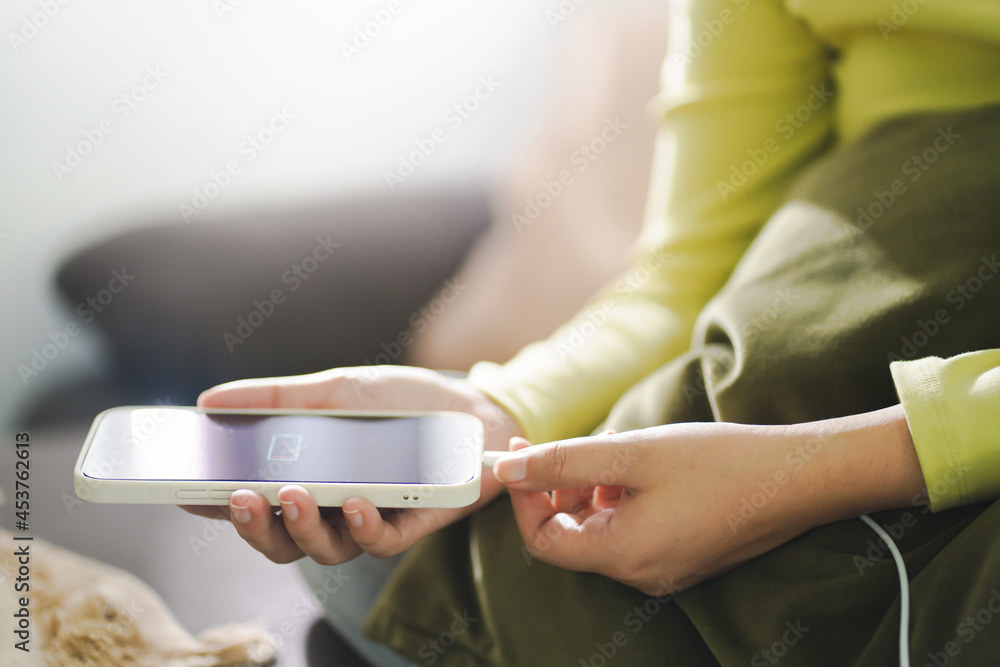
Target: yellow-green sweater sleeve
x=953, y=410
x=746, y=104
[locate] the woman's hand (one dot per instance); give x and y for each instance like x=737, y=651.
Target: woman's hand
x=663, y=508
x=334, y=535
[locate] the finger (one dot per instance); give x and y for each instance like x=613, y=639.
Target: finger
x=255, y=522
x=542, y=502
x=571, y=541
x=327, y=543
x=607, y=496
x=391, y=534
x=510, y=467
x=603, y=460
x=552, y=531
x=315, y=390
x=572, y=500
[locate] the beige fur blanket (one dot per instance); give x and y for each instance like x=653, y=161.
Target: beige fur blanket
x=88, y=614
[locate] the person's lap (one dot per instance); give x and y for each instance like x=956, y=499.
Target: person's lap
x=868, y=249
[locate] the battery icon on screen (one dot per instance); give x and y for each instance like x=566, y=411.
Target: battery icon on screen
x=285, y=447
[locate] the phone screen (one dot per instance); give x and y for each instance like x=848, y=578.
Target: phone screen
x=178, y=444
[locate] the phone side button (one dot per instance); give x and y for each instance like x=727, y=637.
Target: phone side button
x=220, y=495
x=192, y=495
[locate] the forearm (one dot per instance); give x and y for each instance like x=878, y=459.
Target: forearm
x=857, y=464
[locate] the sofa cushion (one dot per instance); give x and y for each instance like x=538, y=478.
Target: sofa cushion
x=271, y=293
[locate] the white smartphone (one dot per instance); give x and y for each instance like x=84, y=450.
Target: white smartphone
x=193, y=456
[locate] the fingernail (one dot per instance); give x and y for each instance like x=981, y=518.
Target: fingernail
x=354, y=517
x=517, y=443
x=289, y=509
x=239, y=512
x=511, y=469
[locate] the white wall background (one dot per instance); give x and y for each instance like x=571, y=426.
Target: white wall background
x=65, y=67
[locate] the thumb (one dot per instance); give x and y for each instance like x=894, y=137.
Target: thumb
x=602, y=460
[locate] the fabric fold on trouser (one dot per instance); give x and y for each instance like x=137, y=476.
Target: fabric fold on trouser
x=858, y=268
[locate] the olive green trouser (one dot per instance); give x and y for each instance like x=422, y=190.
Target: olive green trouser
x=874, y=256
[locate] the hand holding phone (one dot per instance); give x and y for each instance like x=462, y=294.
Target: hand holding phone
x=329, y=535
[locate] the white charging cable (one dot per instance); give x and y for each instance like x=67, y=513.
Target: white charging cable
x=490, y=457
x=904, y=592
